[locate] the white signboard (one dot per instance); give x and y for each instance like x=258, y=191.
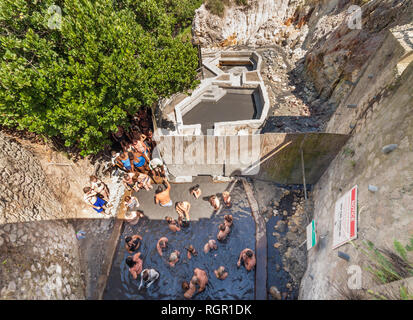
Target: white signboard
x=311, y=235
x=345, y=218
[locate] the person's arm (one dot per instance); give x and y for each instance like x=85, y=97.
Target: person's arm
x=136, y=256
x=239, y=259
x=168, y=186
x=141, y=284
x=156, y=199
x=158, y=247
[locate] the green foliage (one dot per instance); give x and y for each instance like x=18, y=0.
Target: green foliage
x=108, y=58
x=387, y=266
x=241, y=2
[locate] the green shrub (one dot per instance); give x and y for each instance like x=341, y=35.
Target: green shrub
x=79, y=82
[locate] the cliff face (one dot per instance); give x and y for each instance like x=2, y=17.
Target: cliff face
x=317, y=30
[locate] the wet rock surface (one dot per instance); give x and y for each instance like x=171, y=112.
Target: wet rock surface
x=284, y=211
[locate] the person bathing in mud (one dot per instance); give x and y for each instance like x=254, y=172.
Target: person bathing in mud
x=99, y=187
x=172, y=224
x=223, y=232
x=210, y=245
x=226, y=198
x=93, y=200
x=202, y=278
x=162, y=195
x=148, y=276
x=174, y=258
x=133, y=243
x=195, y=191
x=190, y=288
x=228, y=220
x=162, y=244
x=182, y=208
x=191, y=251
x=135, y=264
x=220, y=273
x=214, y=201
x=248, y=256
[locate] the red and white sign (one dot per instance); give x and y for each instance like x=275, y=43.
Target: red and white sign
x=345, y=218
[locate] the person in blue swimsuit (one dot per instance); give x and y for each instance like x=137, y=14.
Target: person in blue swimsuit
x=124, y=161
x=93, y=200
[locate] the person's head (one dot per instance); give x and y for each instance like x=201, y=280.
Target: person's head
x=212, y=244
x=177, y=204
x=159, y=190
x=228, y=217
x=162, y=243
x=173, y=257
x=145, y=275
x=191, y=248
x=221, y=270
x=185, y=285
x=123, y=155
x=128, y=198
x=212, y=198
x=225, y=194
x=113, y=153
x=93, y=178
x=222, y=227
x=129, y=261
x=249, y=253
x=128, y=239
x=87, y=189
x=195, y=188
x=169, y=219
x=194, y=280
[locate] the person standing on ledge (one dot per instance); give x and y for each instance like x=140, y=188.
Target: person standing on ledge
x=248, y=256
x=162, y=195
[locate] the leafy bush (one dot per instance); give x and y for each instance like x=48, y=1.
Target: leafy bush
x=216, y=7
x=79, y=82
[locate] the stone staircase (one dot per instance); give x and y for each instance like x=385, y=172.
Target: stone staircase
x=213, y=93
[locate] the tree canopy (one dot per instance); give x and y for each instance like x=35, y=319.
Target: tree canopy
x=104, y=60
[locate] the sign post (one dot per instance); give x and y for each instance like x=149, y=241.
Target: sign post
x=311, y=235
x=345, y=218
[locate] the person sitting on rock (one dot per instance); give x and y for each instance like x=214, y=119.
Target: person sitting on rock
x=202, y=278
x=226, y=198
x=210, y=245
x=93, y=200
x=191, y=251
x=174, y=258
x=162, y=195
x=132, y=243
x=228, y=220
x=162, y=244
x=99, y=187
x=190, y=288
x=195, y=191
x=182, y=208
x=220, y=273
x=173, y=225
x=148, y=276
x=135, y=264
x=223, y=232
x=248, y=256
x=214, y=201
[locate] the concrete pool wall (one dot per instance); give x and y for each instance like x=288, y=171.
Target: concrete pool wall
x=215, y=88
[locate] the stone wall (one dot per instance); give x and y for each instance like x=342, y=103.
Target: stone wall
x=383, y=216
x=38, y=259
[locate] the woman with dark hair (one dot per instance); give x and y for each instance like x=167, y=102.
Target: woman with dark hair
x=195, y=191
x=124, y=161
x=133, y=243
x=120, y=137
x=135, y=264
x=172, y=224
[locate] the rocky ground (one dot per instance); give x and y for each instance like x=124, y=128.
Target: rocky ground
x=287, y=215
